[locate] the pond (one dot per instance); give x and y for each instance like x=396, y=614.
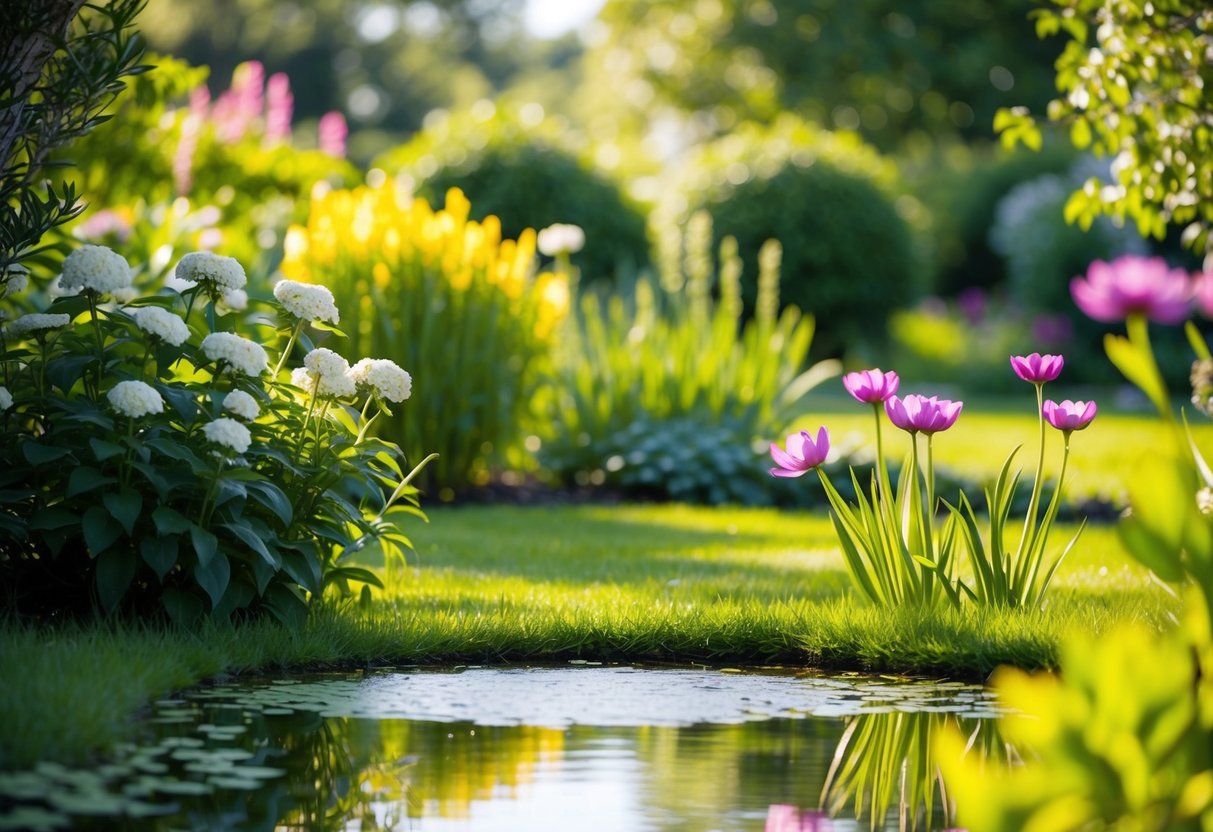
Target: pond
x=552, y=748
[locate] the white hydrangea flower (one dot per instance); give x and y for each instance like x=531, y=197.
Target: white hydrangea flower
x=242, y=404
x=6, y=399
x=135, y=399
x=302, y=378
x=228, y=433
x=560, y=237
x=177, y=284
x=224, y=274
x=241, y=354
x=236, y=300
x=162, y=324
x=307, y=301
x=383, y=377
x=55, y=289
x=125, y=295
x=331, y=369
x=18, y=278
x=95, y=268
x=37, y=322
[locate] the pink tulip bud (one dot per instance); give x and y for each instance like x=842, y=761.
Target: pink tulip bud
x=1069, y=416
x=1133, y=285
x=919, y=414
x=1037, y=368
x=871, y=386
x=802, y=454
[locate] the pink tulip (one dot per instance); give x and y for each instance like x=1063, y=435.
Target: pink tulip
x=1133, y=285
x=1037, y=368
x=1202, y=292
x=802, y=454
x=332, y=134
x=783, y=817
x=871, y=386
x=919, y=414
x=1069, y=416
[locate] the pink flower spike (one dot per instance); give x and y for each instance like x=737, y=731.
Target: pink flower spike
x=871, y=386
x=1069, y=416
x=1133, y=285
x=802, y=454
x=1037, y=368
x=919, y=414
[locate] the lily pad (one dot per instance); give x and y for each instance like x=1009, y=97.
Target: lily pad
x=33, y=819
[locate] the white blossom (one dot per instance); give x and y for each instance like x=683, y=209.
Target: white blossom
x=95, y=268
x=162, y=324
x=37, y=322
x=125, y=295
x=135, y=399
x=17, y=278
x=560, y=237
x=223, y=274
x=236, y=300
x=242, y=404
x=229, y=433
x=241, y=354
x=332, y=371
x=306, y=301
x=177, y=284
x=6, y=399
x=384, y=378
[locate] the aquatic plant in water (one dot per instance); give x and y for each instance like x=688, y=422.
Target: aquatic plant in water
x=889, y=539
x=151, y=460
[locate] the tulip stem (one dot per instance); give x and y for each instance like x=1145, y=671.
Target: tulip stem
x=1029, y=521
x=882, y=466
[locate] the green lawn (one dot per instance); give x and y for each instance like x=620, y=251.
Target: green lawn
x=632, y=583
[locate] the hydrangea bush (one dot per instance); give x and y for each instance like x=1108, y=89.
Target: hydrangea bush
x=150, y=459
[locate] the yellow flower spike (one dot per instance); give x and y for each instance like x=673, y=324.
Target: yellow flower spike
x=295, y=253
x=381, y=274
x=457, y=206
x=552, y=291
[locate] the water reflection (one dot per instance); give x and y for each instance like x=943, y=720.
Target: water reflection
x=328, y=756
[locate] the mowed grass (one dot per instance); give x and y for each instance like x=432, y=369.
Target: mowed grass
x=515, y=585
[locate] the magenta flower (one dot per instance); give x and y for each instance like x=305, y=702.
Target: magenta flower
x=782, y=817
x=1069, y=416
x=871, y=386
x=1133, y=285
x=332, y=132
x=802, y=454
x=919, y=414
x=1202, y=292
x=1037, y=368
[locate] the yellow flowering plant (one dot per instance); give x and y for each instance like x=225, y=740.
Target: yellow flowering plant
x=429, y=287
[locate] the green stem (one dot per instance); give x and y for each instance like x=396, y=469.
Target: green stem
x=91, y=296
x=1031, y=566
x=124, y=476
x=1029, y=520
x=365, y=423
x=290, y=344
x=311, y=408
x=1151, y=383
x=882, y=466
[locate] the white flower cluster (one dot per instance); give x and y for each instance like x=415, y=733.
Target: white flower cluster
x=125, y=295
x=95, y=268
x=241, y=354
x=560, y=237
x=228, y=433
x=236, y=300
x=6, y=399
x=307, y=302
x=135, y=399
x=383, y=378
x=160, y=323
x=17, y=278
x=37, y=322
x=224, y=274
x=330, y=369
x=242, y=405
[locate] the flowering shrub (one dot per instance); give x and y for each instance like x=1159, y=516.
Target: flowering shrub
x=889, y=539
x=148, y=462
x=432, y=288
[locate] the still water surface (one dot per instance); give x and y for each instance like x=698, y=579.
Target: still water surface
x=568, y=748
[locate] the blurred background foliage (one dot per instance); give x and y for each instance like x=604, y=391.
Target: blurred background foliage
x=858, y=135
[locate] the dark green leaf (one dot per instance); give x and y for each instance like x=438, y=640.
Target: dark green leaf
x=104, y=450
x=250, y=539
x=238, y=596
x=213, y=577
x=183, y=608
x=170, y=521
x=125, y=506
x=205, y=544
x=274, y=499
x=38, y=454
x=115, y=569
x=100, y=530
x=53, y=518
x=160, y=553
x=85, y=479
x=286, y=606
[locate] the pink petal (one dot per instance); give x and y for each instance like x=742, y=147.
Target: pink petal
x=782, y=472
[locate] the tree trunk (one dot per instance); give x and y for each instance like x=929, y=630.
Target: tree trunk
x=30, y=31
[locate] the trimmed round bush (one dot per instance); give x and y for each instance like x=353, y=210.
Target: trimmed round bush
x=849, y=258
x=529, y=177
